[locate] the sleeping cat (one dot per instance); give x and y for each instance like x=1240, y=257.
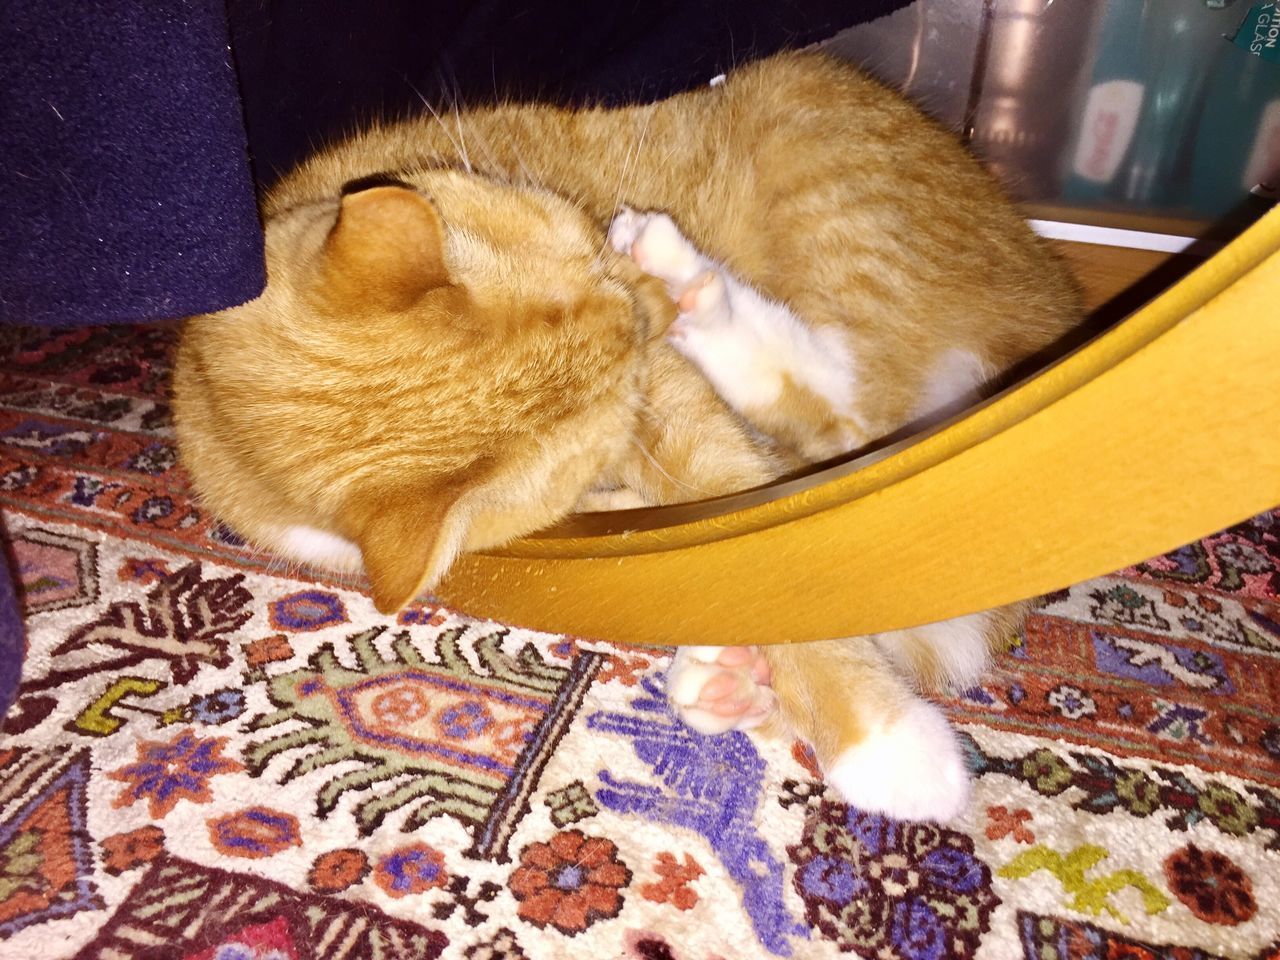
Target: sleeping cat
x=469, y=332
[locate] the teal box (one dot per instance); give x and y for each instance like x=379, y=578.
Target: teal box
x=1237, y=144
x=1144, y=107
x=1111, y=107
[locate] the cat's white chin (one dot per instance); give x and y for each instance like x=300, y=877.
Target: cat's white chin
x=911, y=770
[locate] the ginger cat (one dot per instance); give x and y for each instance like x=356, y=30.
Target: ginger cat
x=469, y=332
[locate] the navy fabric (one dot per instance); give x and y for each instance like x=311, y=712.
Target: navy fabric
x=124, y=182
x=126, y=193
x=311, y=70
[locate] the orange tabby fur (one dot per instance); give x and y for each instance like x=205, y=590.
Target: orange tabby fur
x=449, y=367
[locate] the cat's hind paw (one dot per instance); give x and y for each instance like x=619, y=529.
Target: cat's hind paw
x=913, y=769
x=717, y=689
x=658, y=248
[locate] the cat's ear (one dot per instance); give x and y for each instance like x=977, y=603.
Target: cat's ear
x=407, y=542
x=386, y=251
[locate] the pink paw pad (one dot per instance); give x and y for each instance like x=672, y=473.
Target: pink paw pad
x=701, y=293
x=717, y=689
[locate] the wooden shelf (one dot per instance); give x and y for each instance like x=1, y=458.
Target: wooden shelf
x=1107, y=273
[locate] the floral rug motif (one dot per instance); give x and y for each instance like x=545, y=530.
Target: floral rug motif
x=213, y=760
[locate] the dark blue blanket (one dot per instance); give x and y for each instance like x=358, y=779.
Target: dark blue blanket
x=125, y=182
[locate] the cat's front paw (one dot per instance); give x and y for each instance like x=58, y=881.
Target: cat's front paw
x=717, y=689
x=626, y=228
x=658, y=248
x=911, y=770
x=703, y=313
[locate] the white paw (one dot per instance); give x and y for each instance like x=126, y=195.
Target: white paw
x=625, y=229
x=704, y=305
x=704, y=330
x=912, y=770
x=717, y=689
x=658, y=248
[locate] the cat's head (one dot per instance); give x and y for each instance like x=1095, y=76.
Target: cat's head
x=433, y=367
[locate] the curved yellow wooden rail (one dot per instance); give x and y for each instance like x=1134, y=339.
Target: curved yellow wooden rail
x=1162, y=430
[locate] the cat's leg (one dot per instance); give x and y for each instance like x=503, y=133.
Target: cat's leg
x=790, y=381
x=717, y=689
x=658, y=248
x=880, y=745
x=952, y=655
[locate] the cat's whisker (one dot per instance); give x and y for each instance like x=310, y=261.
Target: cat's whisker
x=662, y=470
x=632, y=159
x=632, y=155
x=443, y=127
x=529, y=179
x=494, y=166
x=501, y=113
x=653, y=417
x=453, y=94
x=462, y=139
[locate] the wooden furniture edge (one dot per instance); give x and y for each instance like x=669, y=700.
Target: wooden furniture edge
x=1154, y=434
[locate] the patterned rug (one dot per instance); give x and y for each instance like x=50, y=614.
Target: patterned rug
x=214, y=760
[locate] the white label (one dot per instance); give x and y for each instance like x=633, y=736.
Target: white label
x=1266, y=30
x=1110, y=117
x=1264, y=159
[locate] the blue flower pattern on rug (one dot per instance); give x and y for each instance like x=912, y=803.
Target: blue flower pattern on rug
x=713, y=787
x=890, y=889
